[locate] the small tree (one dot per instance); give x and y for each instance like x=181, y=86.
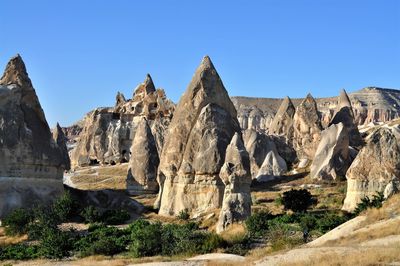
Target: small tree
x=257, y=224
x=297, y=200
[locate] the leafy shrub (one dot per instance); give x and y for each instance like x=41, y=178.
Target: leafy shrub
x=16, y=223
x=64, y=207
x=183, y=215
x=308, y=222
x=239, y=245
x=297, y=200
x=145, y=238
x=55, y=244
x=329, y=221
x=114, y=217
x=282, y=236
x=257, y=224
x=44, y=219
x=19, y=252
x=102, y=240
x=211, y=242
x=91, y=214
x=366, y=202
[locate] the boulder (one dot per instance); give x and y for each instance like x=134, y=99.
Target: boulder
x=31, y=162
x=202, y=127
x=143, y=164
x=332, y=156
x=235, y=174
x=307, y=128
x=376, y=165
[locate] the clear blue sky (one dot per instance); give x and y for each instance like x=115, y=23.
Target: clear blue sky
x=80, y=53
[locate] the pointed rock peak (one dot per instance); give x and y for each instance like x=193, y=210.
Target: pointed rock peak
x=206, y=64
x=237, y=140
x=309, y=100
x=15, y=73
x=344, y=100
x=148, y=84
x=287, y=102
x=120, y=98
x=58, y=127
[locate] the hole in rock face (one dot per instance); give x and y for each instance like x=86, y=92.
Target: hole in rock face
x=124, y=160
x=94, y=162
x=112, y=163
x=116, y=116
x=123, y=152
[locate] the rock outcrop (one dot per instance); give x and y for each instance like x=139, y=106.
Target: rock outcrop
x=107, y=133
x=307, y=128
x=272, y=168
x=61, y=141
x=235, y=174
x=31, y=162
x=370, y=105
x=345, y=115
x=202, y=127
x=376, y=166
x=282, y=125
x=332, y=156
x=143, y=164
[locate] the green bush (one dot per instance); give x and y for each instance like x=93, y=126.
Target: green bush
x=44, y=219
x=282, y=236
x=91, y=214
x=64, y=207
x=329, y=221
x=16, y=223
x=239, y=245
x=145, y=238
x=19, y=252
x=55, y=244
x=297, y=200
x=257, y=224
x=115, y=217
x=366, y=202
x=183, y=215
x=102, y=240
x=308, y=222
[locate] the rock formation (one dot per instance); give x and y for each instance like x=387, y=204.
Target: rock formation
x=282, y=125
x=332, y=156
x=61, y=141
x=345, y=115
x=235, y=174
x=370, y=105
x=307, y=128
x=107, y=133
x=31, y=163
x=376, y=166
x=273, y=167
x=143, y=164
x=203, y=125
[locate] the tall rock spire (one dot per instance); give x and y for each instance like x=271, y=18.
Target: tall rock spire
x=15, y=73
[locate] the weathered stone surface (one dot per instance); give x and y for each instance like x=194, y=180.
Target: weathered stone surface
x=31, y=163
x=61, y=141
x=235, y=174
x=107, y=133
x=272, y=168
x=376, y=165
x=345, y=115
x=332, y=156
x=307, y=128
x=143, y=164
x=282, y=125
x=194, y=151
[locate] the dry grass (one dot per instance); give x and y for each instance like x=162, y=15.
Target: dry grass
x=234, y=232
x=370, y=256
x=9, y=240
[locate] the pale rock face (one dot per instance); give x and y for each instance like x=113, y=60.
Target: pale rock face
x=307, y=128
x=61, y=141
x=282, y=125
x=194, y=151
x=332, y=156
x=376, y=165
x=273, y=167
x=235, y=174
x=107, y=134
x=143, y=164
x=345, y=115
x=31, y=162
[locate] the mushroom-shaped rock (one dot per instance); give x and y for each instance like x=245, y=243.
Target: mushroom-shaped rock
x=203, y=125
x=345, y=115
x=376, y=165
x=307, y=128
x=332, y=156
x=235, y=174
x=143, y=164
